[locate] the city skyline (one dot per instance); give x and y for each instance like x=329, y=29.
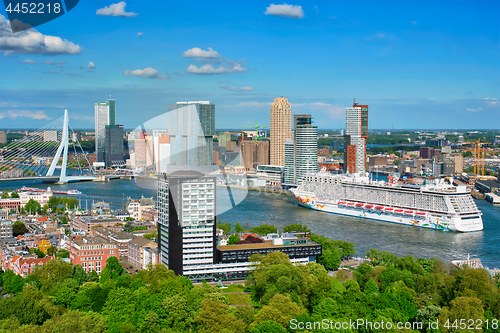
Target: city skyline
x=416, y=68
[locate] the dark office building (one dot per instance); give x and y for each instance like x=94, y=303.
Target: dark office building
x=300, y=248
x=426, y=152
x=113, y=146
x=186, y=219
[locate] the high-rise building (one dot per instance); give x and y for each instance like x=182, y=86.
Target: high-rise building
x=356, y=133
x=76, y=136
x=191, y=126
x=113, y=145
x=281, y=129
x=156, y=146
x=304, y=156
x=163, y=152
x=104, y=115
x=186, y=220
x=288, y=177
x=426, y=152
x=254, y=153
x=3, y=136
x=139, y=146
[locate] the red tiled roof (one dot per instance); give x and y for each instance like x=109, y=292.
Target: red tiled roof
x=43, y=219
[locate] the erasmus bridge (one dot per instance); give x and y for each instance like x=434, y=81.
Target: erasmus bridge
x=41, y=152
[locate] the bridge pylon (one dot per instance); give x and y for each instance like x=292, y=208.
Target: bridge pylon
x=63, y=149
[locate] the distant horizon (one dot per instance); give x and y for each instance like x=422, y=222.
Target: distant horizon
x=319, y=129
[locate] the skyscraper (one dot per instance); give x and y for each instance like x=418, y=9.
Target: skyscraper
x=191, y=126
x=254, y=153
x=186, y=219
x=356, y=133
x=281, y=129
x=104, y=115
x=113, y=145
x=303, y=157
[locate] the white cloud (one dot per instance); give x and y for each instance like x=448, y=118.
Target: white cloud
x=211, y=57
x=473, y=110
x=91, y=65
x=196, y=52
x=140, y=34
x=379, y=36
x=285, y=10
x=48, y=62
x=414, y=22
x=146, y=72
x=28, y=61
x=236, y=88
x=209, y=69
x=33, y=42
x=116, y=9
x=24, y=113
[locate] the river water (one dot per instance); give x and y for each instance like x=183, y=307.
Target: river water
x=281, y=209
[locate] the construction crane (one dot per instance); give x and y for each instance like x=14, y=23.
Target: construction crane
x=478, y=153
x=256, y=127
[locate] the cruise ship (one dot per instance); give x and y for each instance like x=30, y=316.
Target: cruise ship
x=436, y=206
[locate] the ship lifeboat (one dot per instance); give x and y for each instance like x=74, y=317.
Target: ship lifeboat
x=369, y=206
x=342, y=203
x=379, y=207
x=421, y=213
x=351, y=203
x=388, y=208
x=398, y=210
x=359, y=205
x=409, y=212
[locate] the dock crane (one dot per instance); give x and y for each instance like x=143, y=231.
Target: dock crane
x=256, y=128
x=478, y=153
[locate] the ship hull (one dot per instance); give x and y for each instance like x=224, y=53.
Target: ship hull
x=444, y=223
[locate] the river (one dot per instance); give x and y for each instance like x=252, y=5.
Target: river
x=281, y=209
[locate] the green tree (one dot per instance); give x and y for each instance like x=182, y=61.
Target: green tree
x=14, y=195
x=12, y=283
x=62, y=253
x=63, y=219
x=77, y=322
x=268, y=326
x=53, y=202
x=330, y=258
x=32, y=206
x=296, y=227
x=150, y=235
x=238, y=227
x=179, y=316
x=226, y=227
x=38, y=252
x=5, y=194
x=214, y=318
x=280, y=309
x=233, y=239
x=52, y=272
x=18, y=228
x=113, y=270
x=65, y=292
x=52, y=250
x=119, y=307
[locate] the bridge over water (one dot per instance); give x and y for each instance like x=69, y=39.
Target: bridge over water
x=28, y=158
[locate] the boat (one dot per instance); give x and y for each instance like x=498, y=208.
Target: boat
x=436, y=205
x=73, y=192
x=470, y=262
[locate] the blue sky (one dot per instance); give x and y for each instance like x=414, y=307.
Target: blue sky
x=417, y=64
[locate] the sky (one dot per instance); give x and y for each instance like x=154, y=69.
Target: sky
x=417, y=64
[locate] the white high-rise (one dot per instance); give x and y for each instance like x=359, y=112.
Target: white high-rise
x=104, y=115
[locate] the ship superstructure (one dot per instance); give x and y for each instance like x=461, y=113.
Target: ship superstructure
x=436, y=206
